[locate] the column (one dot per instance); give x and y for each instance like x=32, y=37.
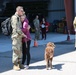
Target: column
x=69, y=14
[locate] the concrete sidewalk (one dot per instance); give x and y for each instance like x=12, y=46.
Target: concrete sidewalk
x=5, y=41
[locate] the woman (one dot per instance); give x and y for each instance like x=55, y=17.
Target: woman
x=43, y=29
x=26, y=41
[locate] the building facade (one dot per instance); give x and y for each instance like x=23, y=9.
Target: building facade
x=51, y=9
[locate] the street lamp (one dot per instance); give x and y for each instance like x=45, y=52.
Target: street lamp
x=74, y=23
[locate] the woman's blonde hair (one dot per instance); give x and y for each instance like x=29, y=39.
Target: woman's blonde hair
x=23, y=15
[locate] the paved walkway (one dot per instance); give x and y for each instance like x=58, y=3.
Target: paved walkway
x=5, y=41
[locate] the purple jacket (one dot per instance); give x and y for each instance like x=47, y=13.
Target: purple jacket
x=25, y=30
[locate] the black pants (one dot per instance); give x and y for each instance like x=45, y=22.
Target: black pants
x=26, y=52
x=43, y=33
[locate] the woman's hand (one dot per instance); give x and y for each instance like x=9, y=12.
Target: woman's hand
x=28, y=27
x=25, y=36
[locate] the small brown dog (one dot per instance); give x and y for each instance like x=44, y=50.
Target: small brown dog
x=49, y=52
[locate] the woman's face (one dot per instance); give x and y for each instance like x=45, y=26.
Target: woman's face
x=22, y=18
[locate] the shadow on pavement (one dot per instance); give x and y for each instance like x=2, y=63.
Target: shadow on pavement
x=37, y=67
x=58, y=66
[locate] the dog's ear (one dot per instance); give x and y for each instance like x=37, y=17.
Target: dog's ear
x=54, y=45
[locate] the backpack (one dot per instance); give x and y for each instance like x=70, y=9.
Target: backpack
x=6, y=27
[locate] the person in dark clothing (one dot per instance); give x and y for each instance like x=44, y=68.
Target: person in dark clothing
x=43, y=29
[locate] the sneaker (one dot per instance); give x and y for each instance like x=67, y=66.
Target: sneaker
x=26, y=67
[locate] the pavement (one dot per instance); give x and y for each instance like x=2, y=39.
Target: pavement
x=5, y=41
x=64, y=61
